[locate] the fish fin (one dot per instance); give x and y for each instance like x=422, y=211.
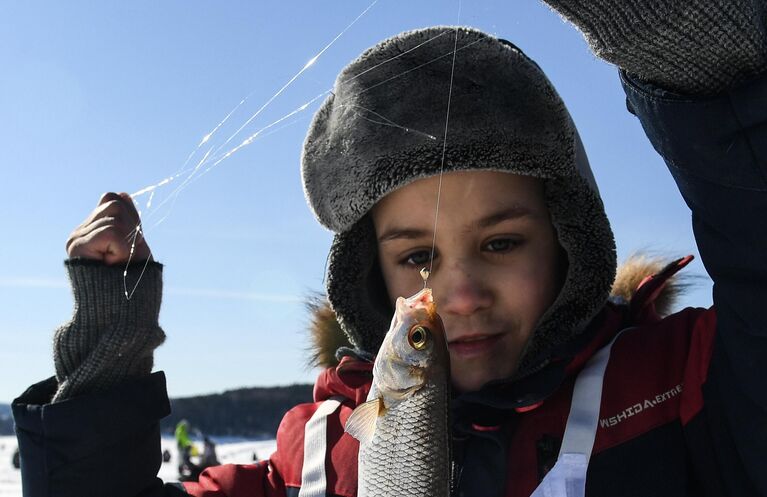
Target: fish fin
x=362, y=423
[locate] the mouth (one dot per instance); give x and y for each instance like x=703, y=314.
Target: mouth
x=475, y=344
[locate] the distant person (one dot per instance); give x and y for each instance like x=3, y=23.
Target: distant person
x=186, y=449
x=522, y=262
x=183, y=442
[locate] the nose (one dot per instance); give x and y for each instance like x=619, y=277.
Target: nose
x=460, y=290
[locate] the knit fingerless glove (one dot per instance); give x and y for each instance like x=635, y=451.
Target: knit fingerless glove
x=687, y=46
x=110, y=339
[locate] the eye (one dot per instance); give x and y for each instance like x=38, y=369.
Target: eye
x=419, y=337
x=502, y=244
x=418, y=258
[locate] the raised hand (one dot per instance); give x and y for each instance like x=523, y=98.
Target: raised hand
x=688, y=46
x=109, y=232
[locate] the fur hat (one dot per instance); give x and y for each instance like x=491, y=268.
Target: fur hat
x=382, y=128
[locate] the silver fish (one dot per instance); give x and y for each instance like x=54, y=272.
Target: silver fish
x=403, y=428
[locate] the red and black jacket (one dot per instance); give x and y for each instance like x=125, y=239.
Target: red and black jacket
x=653, y=403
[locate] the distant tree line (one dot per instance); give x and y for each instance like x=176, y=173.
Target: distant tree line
x=246, y=412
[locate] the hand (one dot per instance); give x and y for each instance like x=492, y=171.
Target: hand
x=107, y=234
x=688, y=46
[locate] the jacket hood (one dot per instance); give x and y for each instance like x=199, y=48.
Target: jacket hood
x=382, y=128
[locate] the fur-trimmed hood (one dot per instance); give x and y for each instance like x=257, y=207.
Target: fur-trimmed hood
x=326, y=335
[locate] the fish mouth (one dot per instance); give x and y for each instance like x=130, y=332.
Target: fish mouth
x=422, y=301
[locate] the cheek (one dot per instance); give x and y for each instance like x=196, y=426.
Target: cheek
x=530, y=289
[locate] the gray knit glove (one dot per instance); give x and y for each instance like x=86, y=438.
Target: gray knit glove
x=687, y=46
x=110, y=338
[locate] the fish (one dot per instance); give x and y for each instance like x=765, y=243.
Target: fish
x=404, y=427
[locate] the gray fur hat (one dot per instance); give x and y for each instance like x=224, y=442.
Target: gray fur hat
x=382, y=128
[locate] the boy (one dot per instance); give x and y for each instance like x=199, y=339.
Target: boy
x=523, y=259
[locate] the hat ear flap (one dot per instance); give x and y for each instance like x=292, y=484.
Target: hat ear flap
x=356, y=288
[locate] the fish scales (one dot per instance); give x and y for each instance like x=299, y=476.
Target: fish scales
x=407, y=452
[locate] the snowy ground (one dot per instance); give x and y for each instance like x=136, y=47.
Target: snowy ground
x=229, y=450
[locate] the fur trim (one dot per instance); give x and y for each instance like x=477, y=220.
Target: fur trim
x=325, y=333
x=636, y=268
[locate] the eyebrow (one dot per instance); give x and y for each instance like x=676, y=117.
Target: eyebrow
x=513, y=212
x=398, y=233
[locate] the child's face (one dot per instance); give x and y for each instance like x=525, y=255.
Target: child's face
x=497, y=263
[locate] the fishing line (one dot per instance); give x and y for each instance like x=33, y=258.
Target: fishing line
x=207, y=137
x=250, y=139
x=173, y=196
x=386, y=121
x=420, y=66
x=425, y=273
x=218, y=158
x=306, y=66
x=394, y=58
x=137, y=232
x=212, y=158
x=256, y=136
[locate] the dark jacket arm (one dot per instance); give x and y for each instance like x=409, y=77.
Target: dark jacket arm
x=716, y=150
x=93, y=445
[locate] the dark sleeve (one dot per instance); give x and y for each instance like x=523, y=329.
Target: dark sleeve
x=93, y=445
x=716, y=150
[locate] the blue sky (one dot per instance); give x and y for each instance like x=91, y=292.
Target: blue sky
x=100, y=96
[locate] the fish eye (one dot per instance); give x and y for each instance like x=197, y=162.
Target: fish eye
x=418, y=337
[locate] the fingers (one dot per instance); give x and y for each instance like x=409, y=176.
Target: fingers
x=111, y=210
x=109, y=232
x=132, y=230
x=104, y=243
